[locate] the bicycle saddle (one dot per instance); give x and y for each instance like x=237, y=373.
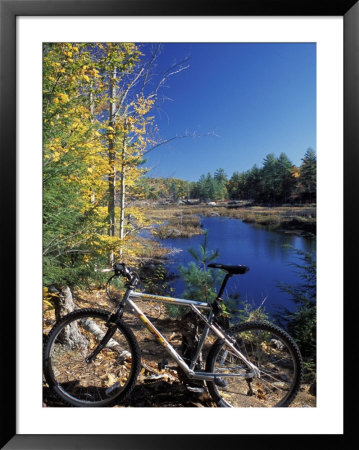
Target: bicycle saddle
x=233, y=270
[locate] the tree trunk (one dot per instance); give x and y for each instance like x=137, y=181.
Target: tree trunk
x=111, y=159
x=92, y=106
x=92, y=112
x=70, y=335
x=122, y=197
x=64, y=303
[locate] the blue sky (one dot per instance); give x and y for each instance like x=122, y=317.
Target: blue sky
x=257, y=99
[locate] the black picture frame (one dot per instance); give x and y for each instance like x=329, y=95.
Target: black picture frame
x=9, y=10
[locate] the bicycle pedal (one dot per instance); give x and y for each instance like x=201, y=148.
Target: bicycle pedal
x=163, y=364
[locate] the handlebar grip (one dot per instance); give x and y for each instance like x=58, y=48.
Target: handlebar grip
x=121, y=269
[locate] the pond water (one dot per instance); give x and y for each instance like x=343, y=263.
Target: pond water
x=263, y=251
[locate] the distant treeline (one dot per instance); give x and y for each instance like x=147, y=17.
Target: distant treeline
x=277, y=181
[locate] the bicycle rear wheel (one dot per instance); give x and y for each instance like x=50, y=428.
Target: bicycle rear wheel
x=112, y=373
x=275, y=354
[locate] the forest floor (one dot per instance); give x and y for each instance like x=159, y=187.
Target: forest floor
x=154, y=387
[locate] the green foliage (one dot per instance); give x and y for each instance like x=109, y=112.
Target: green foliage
x=302, y=322
x=68, y=144
x=155, y=281
x=308, y=175
x=95, y=132
x=203, y=255
x=270, y=179
x=175, y=311
x=163, y=188
x=278, y=181
x=201, y=282
x=241, y=310
x=210, y=187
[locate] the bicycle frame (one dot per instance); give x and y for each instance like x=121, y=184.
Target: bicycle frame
x=194, y=305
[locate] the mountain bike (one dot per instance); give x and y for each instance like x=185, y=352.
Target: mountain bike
x=92, y=357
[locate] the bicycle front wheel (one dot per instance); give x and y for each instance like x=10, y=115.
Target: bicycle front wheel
x=272, y=351
x=110, y=375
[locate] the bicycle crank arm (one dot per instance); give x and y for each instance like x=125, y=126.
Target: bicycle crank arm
x=211, y=376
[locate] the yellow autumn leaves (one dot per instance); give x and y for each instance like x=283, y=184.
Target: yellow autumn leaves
x=61, y=97
x=77, y=136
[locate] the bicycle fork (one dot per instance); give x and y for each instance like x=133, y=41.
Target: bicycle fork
x=102, y=344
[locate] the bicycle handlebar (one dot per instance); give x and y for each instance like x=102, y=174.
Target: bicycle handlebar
x=121, y=269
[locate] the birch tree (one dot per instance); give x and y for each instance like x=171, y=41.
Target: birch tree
x=133, y=92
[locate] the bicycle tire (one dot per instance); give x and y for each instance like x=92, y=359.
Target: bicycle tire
x=109, y=378
x=272, y=350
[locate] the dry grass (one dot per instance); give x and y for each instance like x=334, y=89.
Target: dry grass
x=180, y=226
x=174, y=221
x=182, y=220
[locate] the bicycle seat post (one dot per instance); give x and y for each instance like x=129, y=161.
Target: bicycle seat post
x=224, y=282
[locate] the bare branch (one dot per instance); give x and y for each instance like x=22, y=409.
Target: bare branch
x=127, y=90
x=147, y=74
x=166, y=141
x=173, y=70
x=146, y=78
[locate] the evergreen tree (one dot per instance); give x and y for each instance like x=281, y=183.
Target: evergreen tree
x=71, y=146
x=200, y=282
x=269, y=179
x=233, y=185
x=253, y=185
x=204, y=187
x=308, y=175
x=286, y=179
x=302, y=322
x=220, y=185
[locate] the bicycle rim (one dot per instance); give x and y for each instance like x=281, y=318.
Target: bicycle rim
x=271, y=350
x=111, y=375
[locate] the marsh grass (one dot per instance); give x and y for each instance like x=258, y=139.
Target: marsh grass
x=174, y=222
x=184, y=220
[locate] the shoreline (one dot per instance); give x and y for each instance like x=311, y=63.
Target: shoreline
x=184, y=220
